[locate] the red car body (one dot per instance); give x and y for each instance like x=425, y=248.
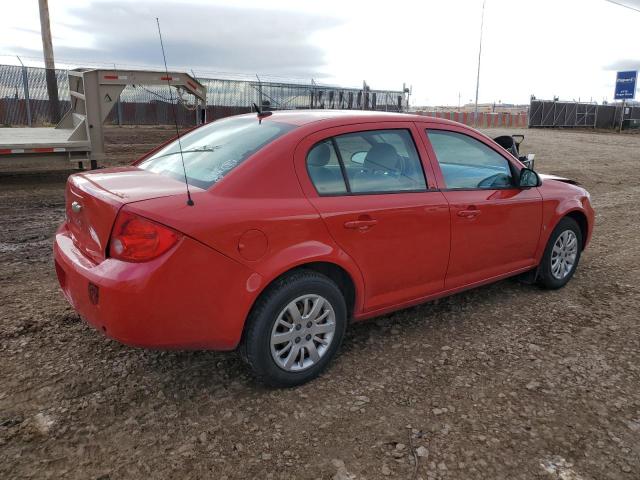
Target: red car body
x=265, y=218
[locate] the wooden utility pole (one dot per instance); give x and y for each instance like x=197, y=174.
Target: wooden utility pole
x=49, y=64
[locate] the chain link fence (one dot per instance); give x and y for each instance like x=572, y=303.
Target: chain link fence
x=24, y=100
x=23, y=95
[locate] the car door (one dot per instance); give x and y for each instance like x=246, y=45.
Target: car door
x=368, y=183
x=495, y=226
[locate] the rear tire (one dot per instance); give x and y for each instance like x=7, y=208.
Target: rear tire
x=561, y=255
x=295, y=329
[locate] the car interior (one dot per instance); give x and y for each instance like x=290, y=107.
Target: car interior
x=371, y=163
x=327, y=178
x=466, y=163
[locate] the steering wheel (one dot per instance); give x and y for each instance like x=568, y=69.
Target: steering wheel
x=492, y=181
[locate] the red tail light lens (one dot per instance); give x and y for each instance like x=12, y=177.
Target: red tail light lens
x=136, y=239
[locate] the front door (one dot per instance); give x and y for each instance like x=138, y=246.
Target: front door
x=495, y=226
x=368, y=183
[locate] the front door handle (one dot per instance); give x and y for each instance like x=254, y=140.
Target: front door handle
x=470, y=213
x=361, y=224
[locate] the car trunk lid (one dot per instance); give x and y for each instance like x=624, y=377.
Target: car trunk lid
x=93, y=199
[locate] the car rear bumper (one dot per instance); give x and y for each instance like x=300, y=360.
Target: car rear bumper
x=192, y=297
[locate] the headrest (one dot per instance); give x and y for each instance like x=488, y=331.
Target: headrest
x=382, y=156
x=319, y=156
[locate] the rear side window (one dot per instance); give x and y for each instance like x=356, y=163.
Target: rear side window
x=373, y=161
x=212, y=151
x=468, y=163
x=324, y=169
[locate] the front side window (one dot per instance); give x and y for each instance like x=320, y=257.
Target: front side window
x=468, y=163
x=212, y=151
x=374, y=161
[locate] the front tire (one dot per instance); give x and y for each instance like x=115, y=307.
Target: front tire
x=562, y=254
x=295, y=329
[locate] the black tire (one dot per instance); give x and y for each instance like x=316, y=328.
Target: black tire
x=256, y=345
x=545, y=275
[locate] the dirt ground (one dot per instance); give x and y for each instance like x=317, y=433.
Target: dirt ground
x=503, y=382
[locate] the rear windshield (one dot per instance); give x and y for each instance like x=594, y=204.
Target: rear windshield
x=212, y=151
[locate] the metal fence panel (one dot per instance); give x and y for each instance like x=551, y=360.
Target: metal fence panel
x=24, y=99
x=551, y=113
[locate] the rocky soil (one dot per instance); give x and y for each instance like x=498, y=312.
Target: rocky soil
x=504, y=382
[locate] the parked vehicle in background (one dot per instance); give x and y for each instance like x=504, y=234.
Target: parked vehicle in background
x=303, y=221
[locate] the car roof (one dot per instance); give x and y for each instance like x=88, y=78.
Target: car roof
x=341, y=117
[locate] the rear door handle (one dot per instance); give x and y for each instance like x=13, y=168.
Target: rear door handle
x=361, y=224
x=471, y=213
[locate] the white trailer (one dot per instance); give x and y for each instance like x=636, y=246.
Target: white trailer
x=78, y=137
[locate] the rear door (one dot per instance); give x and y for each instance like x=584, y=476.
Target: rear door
x=379, y=202
x=495, y=226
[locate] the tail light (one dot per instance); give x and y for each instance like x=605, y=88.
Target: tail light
x=137, y=239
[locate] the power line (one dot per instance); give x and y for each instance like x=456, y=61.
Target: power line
x=624, y=5
x=202, y=72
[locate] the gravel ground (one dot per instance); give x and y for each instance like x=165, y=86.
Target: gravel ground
x=506, y=381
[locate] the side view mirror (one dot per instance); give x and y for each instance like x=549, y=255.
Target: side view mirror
x=529, y=178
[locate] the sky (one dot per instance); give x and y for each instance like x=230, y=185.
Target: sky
x=565, y=48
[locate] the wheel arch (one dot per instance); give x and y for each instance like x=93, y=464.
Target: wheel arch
x=554, y=216
x=582, y=221
x=336, y=272
x=339, y=274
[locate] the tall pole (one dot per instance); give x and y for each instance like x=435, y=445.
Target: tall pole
x=475, y=115
x=260, y=100
x=623, y=100
x=49, y=64
x=25, y=86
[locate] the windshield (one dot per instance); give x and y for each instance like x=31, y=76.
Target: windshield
x=212, y=151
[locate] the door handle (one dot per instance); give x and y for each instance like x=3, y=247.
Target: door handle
x=469, y=213
x=361, y=224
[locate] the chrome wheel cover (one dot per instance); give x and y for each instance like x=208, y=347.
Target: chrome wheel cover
x=302, y=333
x=564, y=254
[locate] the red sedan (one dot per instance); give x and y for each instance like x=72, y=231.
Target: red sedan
x=301, y=221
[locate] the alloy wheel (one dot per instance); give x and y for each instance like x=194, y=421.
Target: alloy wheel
x=564, y=254
x=303, y=333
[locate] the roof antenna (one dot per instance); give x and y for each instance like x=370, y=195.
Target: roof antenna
x=175, y=117
x=261, y=114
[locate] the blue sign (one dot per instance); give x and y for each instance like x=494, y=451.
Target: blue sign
x=625, y=85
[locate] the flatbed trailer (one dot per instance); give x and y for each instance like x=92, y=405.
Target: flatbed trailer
x=43, y=144
x=79, y=137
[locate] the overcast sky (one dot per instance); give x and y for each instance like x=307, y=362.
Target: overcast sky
x=568, y=48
